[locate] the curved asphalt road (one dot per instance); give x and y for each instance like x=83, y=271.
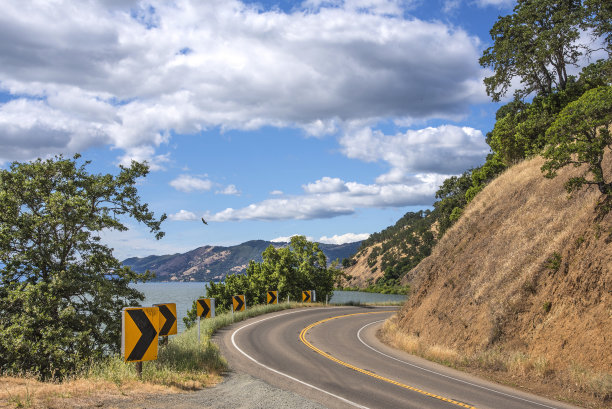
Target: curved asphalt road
x=332, y=356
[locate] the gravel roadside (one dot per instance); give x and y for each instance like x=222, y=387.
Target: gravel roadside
x=237, y=391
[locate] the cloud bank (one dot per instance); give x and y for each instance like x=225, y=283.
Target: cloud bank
x=335, y=239
x=130, y=74
x=419, y=161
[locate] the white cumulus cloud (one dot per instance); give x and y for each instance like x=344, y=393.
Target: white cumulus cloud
x=287, y=239
x=186, y=183
x=418, y=160
x=231, y=190
x=325, y=185
x=130, y=75
x=332, y=204
x=344, y=238
x=183, y=216
x=497, y=3
x=446, y=149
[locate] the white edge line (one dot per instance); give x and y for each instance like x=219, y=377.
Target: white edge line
x=441, y=374
x=282, y=373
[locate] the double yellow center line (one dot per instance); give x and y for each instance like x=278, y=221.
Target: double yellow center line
x=366, y=372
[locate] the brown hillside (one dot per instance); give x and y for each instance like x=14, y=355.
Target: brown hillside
x=360, y=273
x=525, y=269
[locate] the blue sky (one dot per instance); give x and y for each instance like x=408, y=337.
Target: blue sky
x=325, y=118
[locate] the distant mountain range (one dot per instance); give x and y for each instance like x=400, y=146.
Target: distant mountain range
x=209, y=263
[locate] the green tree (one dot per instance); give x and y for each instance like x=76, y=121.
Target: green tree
x=599, y=18
x=301, y=265
x=580, y=136
x=62, y=291
x=483, y=175
x=451, y=195
x=536, y=44
x=520, y=127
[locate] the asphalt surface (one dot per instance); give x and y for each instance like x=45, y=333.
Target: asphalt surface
x=332, y=356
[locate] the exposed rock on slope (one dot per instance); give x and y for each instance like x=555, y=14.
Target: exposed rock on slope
x=524, y=269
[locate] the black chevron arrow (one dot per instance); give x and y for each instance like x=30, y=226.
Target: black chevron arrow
x=240, y=303
x=306, y=296
x=170, y=319
x=149, y=334
x=205, y=308
x=272, y=296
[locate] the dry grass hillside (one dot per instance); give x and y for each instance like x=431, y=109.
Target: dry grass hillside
x=527, y=273
x=360, y=273
x=386, y=256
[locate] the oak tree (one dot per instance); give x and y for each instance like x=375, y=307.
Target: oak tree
x=536, y=44
x=580, y=136
x=61, y=288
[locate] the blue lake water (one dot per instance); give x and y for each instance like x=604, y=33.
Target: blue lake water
x=184, y=294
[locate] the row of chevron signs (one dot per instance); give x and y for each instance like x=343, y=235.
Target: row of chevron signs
x=141, y=326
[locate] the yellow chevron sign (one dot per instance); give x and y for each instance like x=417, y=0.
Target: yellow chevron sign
x=272, y=297
x=167, y=319
x=139, y=330
x=205, y=307
x=239, y=303
x=306, y=297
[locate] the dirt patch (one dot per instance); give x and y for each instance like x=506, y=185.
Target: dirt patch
x=235, y=391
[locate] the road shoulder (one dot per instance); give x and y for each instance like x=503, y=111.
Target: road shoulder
x=238, y=390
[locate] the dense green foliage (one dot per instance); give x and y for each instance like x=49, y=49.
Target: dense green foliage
x=580, y=136
x=62, y=291
x=300, y=266
x=451, y=200
x=538, y=43
x=520, y=127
